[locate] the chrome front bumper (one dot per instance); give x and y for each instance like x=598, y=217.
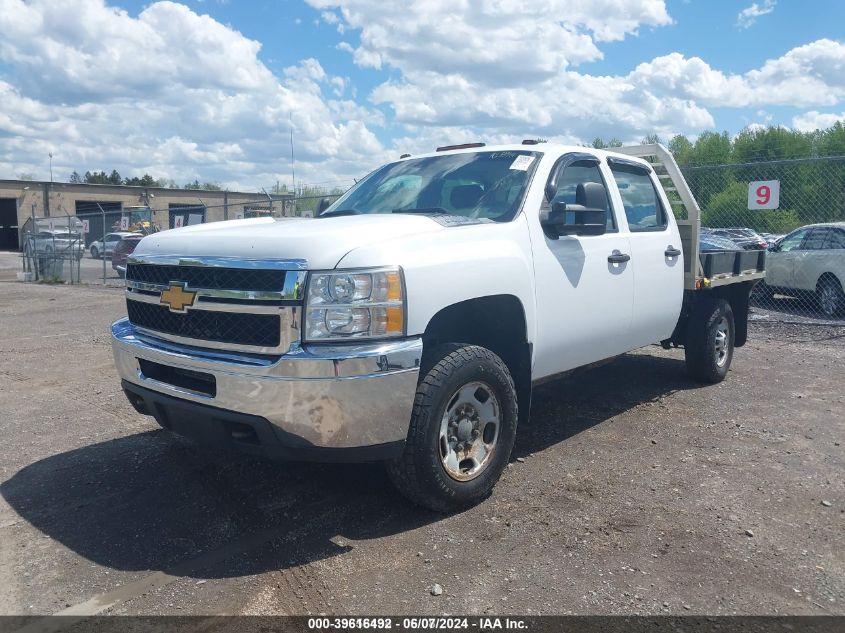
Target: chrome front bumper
x=328, y=396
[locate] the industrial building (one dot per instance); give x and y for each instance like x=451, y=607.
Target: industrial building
x=103, y=206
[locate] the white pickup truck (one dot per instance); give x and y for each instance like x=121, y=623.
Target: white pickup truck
x=409, y=321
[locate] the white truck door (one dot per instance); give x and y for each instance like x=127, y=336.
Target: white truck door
x=583, y=300
x=656, y=255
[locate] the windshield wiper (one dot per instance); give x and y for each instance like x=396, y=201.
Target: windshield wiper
x=340, y=212
x=434, y=210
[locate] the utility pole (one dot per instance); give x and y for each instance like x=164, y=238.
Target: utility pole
x=51, y=167
x=292, y=167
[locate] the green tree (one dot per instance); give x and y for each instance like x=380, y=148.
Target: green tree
x=600, y=143
x=681, y=149
x=96, y=178
x=772, y=143
x=831, y=142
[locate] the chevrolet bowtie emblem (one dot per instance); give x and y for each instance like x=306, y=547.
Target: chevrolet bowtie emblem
x=177, y=298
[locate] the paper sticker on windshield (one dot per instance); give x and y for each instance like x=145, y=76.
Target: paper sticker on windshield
x=522, y=163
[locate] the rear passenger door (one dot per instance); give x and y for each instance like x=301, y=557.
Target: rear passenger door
x=810, y=258
x=656, y=255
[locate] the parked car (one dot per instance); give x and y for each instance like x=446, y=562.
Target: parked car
x=810, y=261
x=105, y=246
x=708, y=243
x=747, y=239
x=772, y=238
x=59, y=242
x=410, y=319
x=122, y=251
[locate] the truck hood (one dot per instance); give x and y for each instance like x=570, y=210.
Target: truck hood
x=321, y=242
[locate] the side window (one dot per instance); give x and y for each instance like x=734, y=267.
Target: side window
x=835, y=239
x=579, y=173
x=792, y=241
x=639, y=197
x=815, y=240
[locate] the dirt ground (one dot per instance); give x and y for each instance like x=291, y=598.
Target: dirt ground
x=631, y=491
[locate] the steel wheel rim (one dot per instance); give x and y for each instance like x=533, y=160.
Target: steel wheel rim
x=829, y=300
x=469, y=431
x=722, y=338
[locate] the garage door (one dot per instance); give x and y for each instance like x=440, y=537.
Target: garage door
x=8, y=224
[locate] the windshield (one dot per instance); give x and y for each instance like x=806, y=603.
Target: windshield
x=484, y=185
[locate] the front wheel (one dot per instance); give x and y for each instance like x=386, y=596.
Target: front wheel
x=709, y=346
x=462, y=430
x=95, y=253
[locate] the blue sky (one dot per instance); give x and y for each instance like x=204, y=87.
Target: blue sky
x=210, y=89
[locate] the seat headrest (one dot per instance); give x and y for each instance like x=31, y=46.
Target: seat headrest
x=465, y=196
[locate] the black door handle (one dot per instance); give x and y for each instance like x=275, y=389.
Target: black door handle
x=671, y=251
x=618, y=258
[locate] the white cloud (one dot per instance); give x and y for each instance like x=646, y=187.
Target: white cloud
x=748, y=16
x=813, y=120
x=502, y=42
x=507, y=68
x=813, y=74
x=170, y=92
x=668, y=94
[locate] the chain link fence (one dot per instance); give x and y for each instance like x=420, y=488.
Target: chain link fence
x=52, y=250
x=795, y=209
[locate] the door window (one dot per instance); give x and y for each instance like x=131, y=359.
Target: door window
x=643, y=207
x=835, y=239
x=792, y=241
x=582, y=173
x=815, y=240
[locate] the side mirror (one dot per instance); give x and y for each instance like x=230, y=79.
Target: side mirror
x=324, y=204
x=588, y=216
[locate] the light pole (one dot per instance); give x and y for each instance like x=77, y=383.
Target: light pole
x=51, y=167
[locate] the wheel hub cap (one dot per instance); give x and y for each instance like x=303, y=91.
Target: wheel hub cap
x=721, y=347
x=469, y=431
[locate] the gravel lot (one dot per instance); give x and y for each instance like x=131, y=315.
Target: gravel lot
x=632, y=491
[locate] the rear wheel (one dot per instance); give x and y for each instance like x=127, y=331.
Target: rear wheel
x=830, y=297
x=710, y=341
x=462, y=430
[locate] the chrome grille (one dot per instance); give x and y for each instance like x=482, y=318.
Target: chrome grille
x=223, y=327
x=212, y=278
x=239, y=305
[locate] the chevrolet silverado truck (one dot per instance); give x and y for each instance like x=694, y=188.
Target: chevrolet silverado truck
x=409, y=320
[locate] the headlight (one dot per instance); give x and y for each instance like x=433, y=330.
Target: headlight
x=355, y=304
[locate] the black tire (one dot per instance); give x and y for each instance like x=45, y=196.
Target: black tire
x=829, y=297
x=708, y=359
x=421, y=473
x=95, y=254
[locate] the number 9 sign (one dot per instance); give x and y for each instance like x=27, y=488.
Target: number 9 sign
x=764, y=194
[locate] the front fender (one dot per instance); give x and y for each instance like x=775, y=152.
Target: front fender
x=461, y=263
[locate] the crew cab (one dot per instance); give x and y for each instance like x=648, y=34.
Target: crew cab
x=409, y=320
